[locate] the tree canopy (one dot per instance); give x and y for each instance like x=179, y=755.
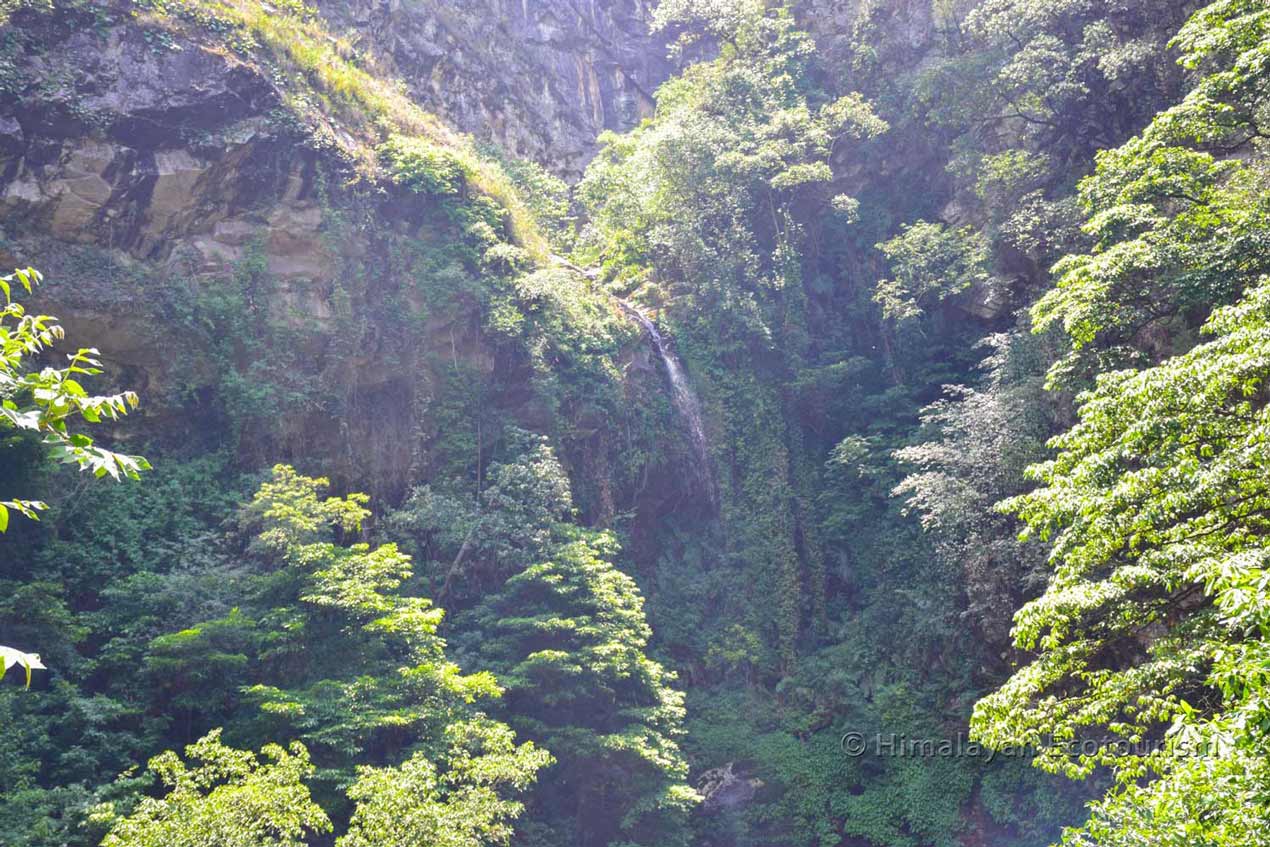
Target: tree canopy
x=861, y=443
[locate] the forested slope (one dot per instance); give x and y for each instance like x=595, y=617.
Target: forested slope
x=696, y=478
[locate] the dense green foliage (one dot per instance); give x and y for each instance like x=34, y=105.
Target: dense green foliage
x=725, y=206
x=230, y=798
x=1155, y=614
x=321, y=646
x=42, y=403
x=935, y=272
x=567, y=638
x=564, y=631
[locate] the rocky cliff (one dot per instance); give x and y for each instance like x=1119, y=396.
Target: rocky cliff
x=541, y=77
x=212, y=211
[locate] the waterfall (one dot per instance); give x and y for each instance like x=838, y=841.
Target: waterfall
x=685, y=402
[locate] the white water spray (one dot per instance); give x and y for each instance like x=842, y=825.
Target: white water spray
x=685, y=402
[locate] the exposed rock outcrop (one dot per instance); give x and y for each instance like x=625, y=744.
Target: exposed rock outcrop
x=541, y=77
x=146, y=178
x=206, y=219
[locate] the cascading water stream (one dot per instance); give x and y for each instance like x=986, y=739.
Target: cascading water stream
x=685, y=402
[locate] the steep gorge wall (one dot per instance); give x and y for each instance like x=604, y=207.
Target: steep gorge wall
x=543, y=78
x=132, y=168
x=188, y=225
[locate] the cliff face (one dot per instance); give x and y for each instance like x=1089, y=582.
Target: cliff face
x=114, y=135
x=142, y=165
x=232, y=264
x=156, y=183
x=109, y=142
x=541, y=77
x=150, y=157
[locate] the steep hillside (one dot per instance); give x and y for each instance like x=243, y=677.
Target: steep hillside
x=291, y=260
x=683, y=351
x=198, y=193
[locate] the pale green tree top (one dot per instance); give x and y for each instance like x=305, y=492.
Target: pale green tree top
x=223, y=796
